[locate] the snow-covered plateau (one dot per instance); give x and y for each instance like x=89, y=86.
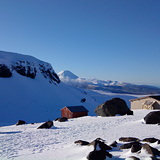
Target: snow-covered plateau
x=26, y=142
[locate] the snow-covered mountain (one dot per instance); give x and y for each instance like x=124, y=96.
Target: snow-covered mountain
x=106, y=85
x=32, y=91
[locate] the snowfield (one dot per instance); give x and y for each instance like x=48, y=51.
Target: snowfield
x=26, y=142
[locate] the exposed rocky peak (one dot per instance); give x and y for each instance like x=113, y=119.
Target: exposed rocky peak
x=26, y=66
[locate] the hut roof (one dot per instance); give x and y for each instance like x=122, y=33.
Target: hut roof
x=154, y=97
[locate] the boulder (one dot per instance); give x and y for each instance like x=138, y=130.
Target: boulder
x=113, y=107
x=129, y=145
x=98, y=155
x=150, y=150
x=150, y=140
x=136, y=147
x=62, y=119
x=101, y=144
x=113, y=144
x=152, y=117
x=46, y=125
x=20, y=122
x=5, y=71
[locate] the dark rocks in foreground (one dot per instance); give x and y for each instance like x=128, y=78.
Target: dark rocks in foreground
x=100, y=151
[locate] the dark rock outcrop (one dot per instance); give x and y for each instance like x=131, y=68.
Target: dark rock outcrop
x=25, y=68
x=20, y=122
x=152, y=117
x=48, y=73
x=46, y=125
x=113, y=107
x=5, y=71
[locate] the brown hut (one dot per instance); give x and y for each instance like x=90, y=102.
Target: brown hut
x=148, y=102
x=74, y=111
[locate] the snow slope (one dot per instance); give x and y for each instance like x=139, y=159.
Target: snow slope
x=28, y=143
x=35, y=99
x=39, y=97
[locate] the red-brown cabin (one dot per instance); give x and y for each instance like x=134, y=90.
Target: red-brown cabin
x=74, y=111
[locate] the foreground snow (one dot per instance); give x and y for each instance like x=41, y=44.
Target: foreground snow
x=26, y=142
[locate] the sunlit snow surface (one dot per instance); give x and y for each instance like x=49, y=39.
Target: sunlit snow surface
x=26, y=142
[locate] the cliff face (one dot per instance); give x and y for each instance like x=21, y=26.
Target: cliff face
x=26, y=66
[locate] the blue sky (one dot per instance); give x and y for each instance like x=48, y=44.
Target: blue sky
x=104, y=39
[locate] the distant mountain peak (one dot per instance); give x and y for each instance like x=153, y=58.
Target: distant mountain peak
x=66, y=74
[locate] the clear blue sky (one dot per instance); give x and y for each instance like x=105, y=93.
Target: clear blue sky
x=105, y=39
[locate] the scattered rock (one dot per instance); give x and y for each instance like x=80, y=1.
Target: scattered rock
x=150, y=150
x=62, y=119
x=100, y=143
x=129, y=145
x=150, y=140
x=98, y=155
x=129, y=139
x=83, y=100
x=82, y=143
x=114, y=144
x=113, y=107
x=152, y=117
x=46, y=125
x=136, y=147
x=20, y=122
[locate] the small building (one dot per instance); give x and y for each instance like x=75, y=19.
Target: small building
x=74, y=111
x=148, y=102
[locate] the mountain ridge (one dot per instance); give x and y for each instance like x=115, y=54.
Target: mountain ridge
x=109, y=85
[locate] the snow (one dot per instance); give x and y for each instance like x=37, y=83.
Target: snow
x=29, y=143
